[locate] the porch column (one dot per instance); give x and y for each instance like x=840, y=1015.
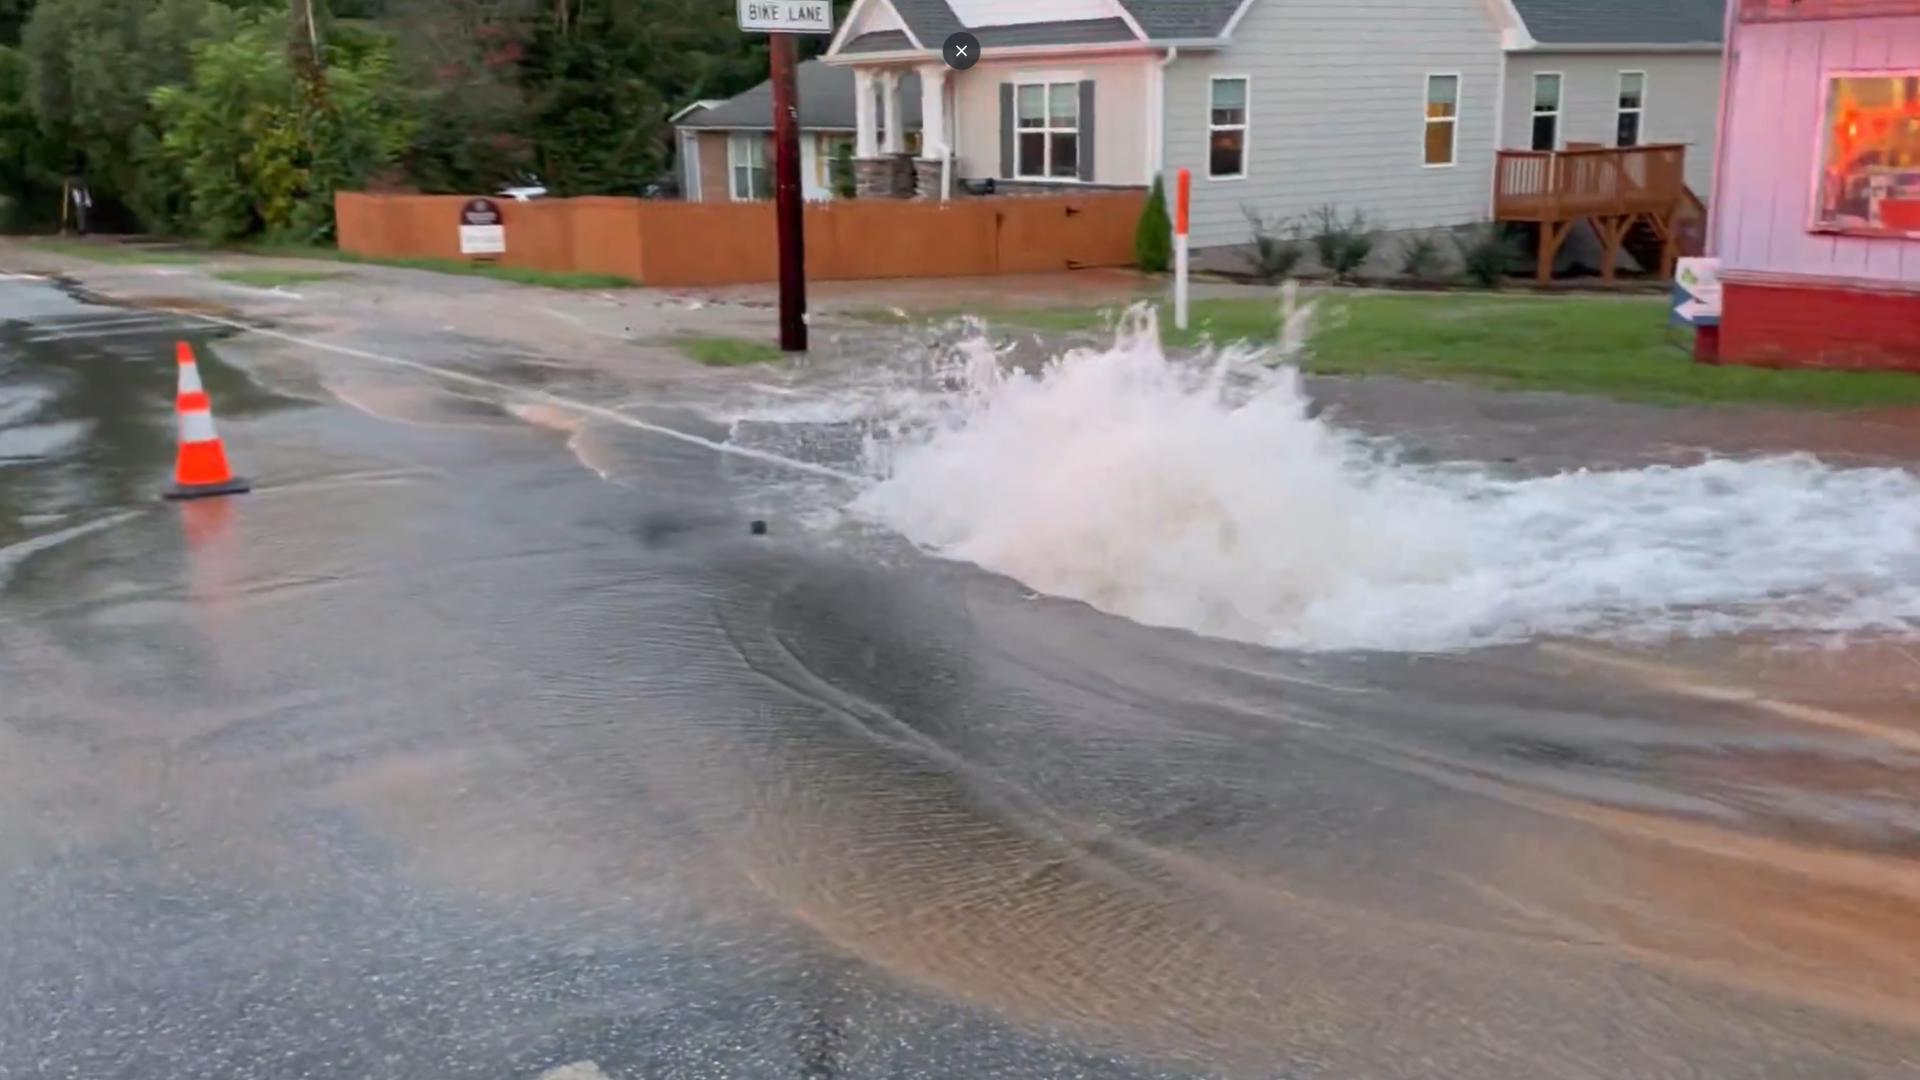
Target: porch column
x=866, y=131
x=890, y=98
x=934, y=146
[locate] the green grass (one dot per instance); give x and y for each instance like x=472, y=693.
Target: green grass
x=551, y=279
x=268, y=278
x=717, y=351
x=1606, y=346
x=116, y=254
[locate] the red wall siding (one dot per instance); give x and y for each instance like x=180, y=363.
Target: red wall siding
x=1808, y=326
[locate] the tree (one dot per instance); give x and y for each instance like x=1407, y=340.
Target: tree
x=1153, y=237
x=93, y=64
x=29, y=179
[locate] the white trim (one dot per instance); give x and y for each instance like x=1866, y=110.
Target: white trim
x=704, y=103
x=1104, y=48
x=1046, y=130
x=734, y=165
x=190, y=379
x=853, y=19
x=1046, y=75
x=1459, y=113
x=1641, y=138
x=1559, y=112
x=1245, y=128
x=1126, y=16
x=1226, y=32
x=768, y=128
x=690, y=165
x=1624, y=46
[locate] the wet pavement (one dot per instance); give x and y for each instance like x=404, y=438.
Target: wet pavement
x=484, y=739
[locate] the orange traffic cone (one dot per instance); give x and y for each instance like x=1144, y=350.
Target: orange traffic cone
x=201, y=469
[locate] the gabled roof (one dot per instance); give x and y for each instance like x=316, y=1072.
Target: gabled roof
x=1622, y=22
x=1173, y=20
x=826, y=103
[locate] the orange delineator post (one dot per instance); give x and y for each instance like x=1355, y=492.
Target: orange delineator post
x=1182, y=200
x=200, y=469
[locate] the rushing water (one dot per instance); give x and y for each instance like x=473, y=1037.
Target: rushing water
x=1207, y=496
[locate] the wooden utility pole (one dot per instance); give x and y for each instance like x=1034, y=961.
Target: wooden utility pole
x=787, y=206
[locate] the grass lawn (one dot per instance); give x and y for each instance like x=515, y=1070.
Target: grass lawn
x=268, y=278
x=1614, y=347
x=716, y=351
x=551, y=279
x=116, y=254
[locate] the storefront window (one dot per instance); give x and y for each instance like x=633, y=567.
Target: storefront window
x=1870, y=161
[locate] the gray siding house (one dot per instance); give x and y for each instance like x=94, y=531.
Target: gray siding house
x=1396, y=108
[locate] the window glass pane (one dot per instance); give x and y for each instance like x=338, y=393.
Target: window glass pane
x=1063, y=100
x=1066, y=155
x=742, y=182
x=1546, y=93
x=1033, y=105
x=1440, y=142
x=762, y=184
x=1443, y=95
x=1229, y=102
x=1546, y=132
x=1227, y=153
x=1033, y=154
x=1633, y=90
x=1629, y=133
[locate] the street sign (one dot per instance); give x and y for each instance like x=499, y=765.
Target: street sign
x=787, y=16
x=483, y=229
x=1696, y=292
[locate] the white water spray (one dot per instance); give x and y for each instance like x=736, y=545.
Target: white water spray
x=1207, y=498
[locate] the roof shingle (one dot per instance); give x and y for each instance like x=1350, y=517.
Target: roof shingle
x=826, y=102
x=1622, y=22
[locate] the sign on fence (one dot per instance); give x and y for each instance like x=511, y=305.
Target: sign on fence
x=786, y=16
x=483, y=231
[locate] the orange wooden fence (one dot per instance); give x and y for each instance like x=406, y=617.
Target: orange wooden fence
x=656, y=242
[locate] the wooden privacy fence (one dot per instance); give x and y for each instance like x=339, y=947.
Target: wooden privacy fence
x=656, y=242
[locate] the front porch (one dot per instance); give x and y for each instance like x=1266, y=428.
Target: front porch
x=885, y=166
x=1635, y=198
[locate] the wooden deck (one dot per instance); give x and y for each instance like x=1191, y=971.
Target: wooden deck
x=1616, y=189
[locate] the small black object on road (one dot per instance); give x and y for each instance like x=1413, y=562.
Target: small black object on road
x=758, y=528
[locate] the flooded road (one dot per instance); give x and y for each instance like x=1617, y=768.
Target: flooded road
x=484, y=739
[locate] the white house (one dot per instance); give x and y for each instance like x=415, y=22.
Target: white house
x=1396, y=108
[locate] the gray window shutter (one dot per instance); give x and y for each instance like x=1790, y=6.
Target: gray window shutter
x=1006, y=130
x=1086, y=129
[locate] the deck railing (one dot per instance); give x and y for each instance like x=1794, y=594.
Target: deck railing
x=1556, y=185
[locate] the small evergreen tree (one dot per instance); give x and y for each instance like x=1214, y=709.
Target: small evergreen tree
x=1153, y=237
x=844, y=184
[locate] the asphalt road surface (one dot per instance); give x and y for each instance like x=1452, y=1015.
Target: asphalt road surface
x=483, y=740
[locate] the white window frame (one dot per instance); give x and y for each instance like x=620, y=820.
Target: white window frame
x=1046, y=130
x=1558, y=112
x=1244, y=127
x=1646, y=91
x=735, y=140
x=1426, y=121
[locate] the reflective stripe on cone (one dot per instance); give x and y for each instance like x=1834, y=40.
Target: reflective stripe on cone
x=201, y=467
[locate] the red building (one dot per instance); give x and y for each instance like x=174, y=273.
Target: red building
x=1816, y=209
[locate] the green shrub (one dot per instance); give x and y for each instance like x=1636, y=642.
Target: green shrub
x=845, y=184
x=1153, y=236
x=1343, y=245
x=1276, y=246
x=1421, y=260
x=1488, y=253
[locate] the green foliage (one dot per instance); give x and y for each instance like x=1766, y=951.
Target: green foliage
x=29, y=178
x=1488, y=253
x=13, y=18
x=1276, y=247
x=1153, y=236
x=259, y=149
x=1342, y=244
x=715, y=350
x=845, y=184
x=1421, y=260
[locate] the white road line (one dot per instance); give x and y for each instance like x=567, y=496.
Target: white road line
x=112, y=331
x=587, y=408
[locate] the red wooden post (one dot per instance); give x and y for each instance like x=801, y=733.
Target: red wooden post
x=787, y=206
